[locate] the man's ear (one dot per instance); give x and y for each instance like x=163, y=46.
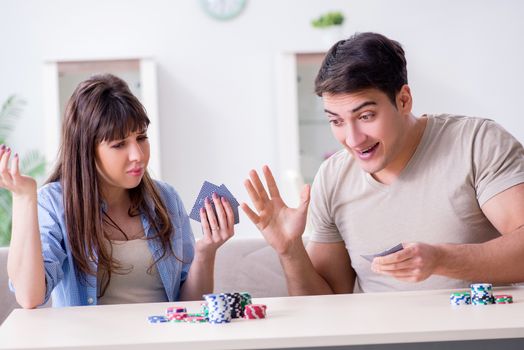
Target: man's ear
x=404, y=99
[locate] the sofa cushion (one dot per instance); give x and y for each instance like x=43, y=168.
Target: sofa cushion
x=251, y=265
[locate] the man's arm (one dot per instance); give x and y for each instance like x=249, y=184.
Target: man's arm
x=325, y=270
x=332, y=262
x=499, y=260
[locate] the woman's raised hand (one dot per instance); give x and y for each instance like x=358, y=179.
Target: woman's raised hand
x=10, y=177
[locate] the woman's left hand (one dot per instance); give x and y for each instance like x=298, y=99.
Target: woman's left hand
x=217, y=228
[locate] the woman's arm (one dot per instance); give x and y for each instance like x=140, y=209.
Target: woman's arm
x=217, y=230
x=25, y=265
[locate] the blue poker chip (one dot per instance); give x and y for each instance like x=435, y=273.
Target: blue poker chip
x=157, y=319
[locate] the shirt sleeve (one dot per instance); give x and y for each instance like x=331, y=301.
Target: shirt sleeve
x=52, y=237
x=498, y=161
x=324, y=229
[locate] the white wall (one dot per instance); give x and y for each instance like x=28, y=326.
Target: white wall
x=216, y=79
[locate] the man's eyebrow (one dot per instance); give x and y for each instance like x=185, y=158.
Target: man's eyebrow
x=364, y=104
x=332, y=113
x=354, y=110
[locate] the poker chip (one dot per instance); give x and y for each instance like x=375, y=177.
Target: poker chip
x=460, y=298
x=235, y=304
x=175, y=310
x=177, y=316
x=503, y=299
x=246, y=299
x=482, y=294
x=204, y=309
x=219, y=308
x=157, y=319
x=195, y=319
x=216, y=309
x=255, y=311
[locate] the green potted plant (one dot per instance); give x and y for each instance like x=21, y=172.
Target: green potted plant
x=329, y=19
x=330, y=24
x=32, y=163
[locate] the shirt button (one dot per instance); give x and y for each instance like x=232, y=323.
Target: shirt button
x=90, y=300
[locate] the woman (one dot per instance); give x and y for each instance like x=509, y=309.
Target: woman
x=101, y=231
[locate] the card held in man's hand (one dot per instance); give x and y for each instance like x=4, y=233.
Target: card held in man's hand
x=395, y=249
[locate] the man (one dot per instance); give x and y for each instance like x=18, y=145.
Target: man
x=450, y=189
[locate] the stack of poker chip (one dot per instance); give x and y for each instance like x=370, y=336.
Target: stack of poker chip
x=482, y=294
x=235, y=303
x=503, y=299
x=246, y=299
x=460, y=298
x=176, y=313
x=219, y=309
x=255, y=311
x=175, y=310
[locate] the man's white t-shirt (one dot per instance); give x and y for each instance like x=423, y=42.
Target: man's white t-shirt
x=459, y=164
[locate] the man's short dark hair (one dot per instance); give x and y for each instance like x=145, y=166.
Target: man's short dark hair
x=364, y=61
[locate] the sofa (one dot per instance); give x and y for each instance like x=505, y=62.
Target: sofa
x=242, y=264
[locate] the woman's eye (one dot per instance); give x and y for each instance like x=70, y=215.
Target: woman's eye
x=118, y=145
x=142, y=138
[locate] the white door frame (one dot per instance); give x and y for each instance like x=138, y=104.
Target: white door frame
x=53, y=119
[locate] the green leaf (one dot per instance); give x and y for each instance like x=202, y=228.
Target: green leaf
x=33, y=164
x=5, y=217
x=9, y=113
x=329, y=19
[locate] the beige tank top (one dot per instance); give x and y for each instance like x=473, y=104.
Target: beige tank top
x=134, y=284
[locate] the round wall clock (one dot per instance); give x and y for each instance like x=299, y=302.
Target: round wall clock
x=223, y=9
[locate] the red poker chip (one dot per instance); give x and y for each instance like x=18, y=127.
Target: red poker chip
x=177, y=316
x=255, y=311
x=500, y=296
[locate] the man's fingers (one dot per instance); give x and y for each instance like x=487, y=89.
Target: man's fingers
x=271, y=183
x=406, y=264
x=257, y=183
x=253, y=194
x=250, y=213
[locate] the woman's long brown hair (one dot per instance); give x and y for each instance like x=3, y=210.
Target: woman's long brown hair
x=101, y=108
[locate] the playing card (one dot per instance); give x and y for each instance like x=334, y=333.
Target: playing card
x=224, y=192
x=384, y=253
x=206, y=191
x=228, y=195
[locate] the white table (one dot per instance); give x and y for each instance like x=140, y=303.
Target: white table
x=306, y=322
